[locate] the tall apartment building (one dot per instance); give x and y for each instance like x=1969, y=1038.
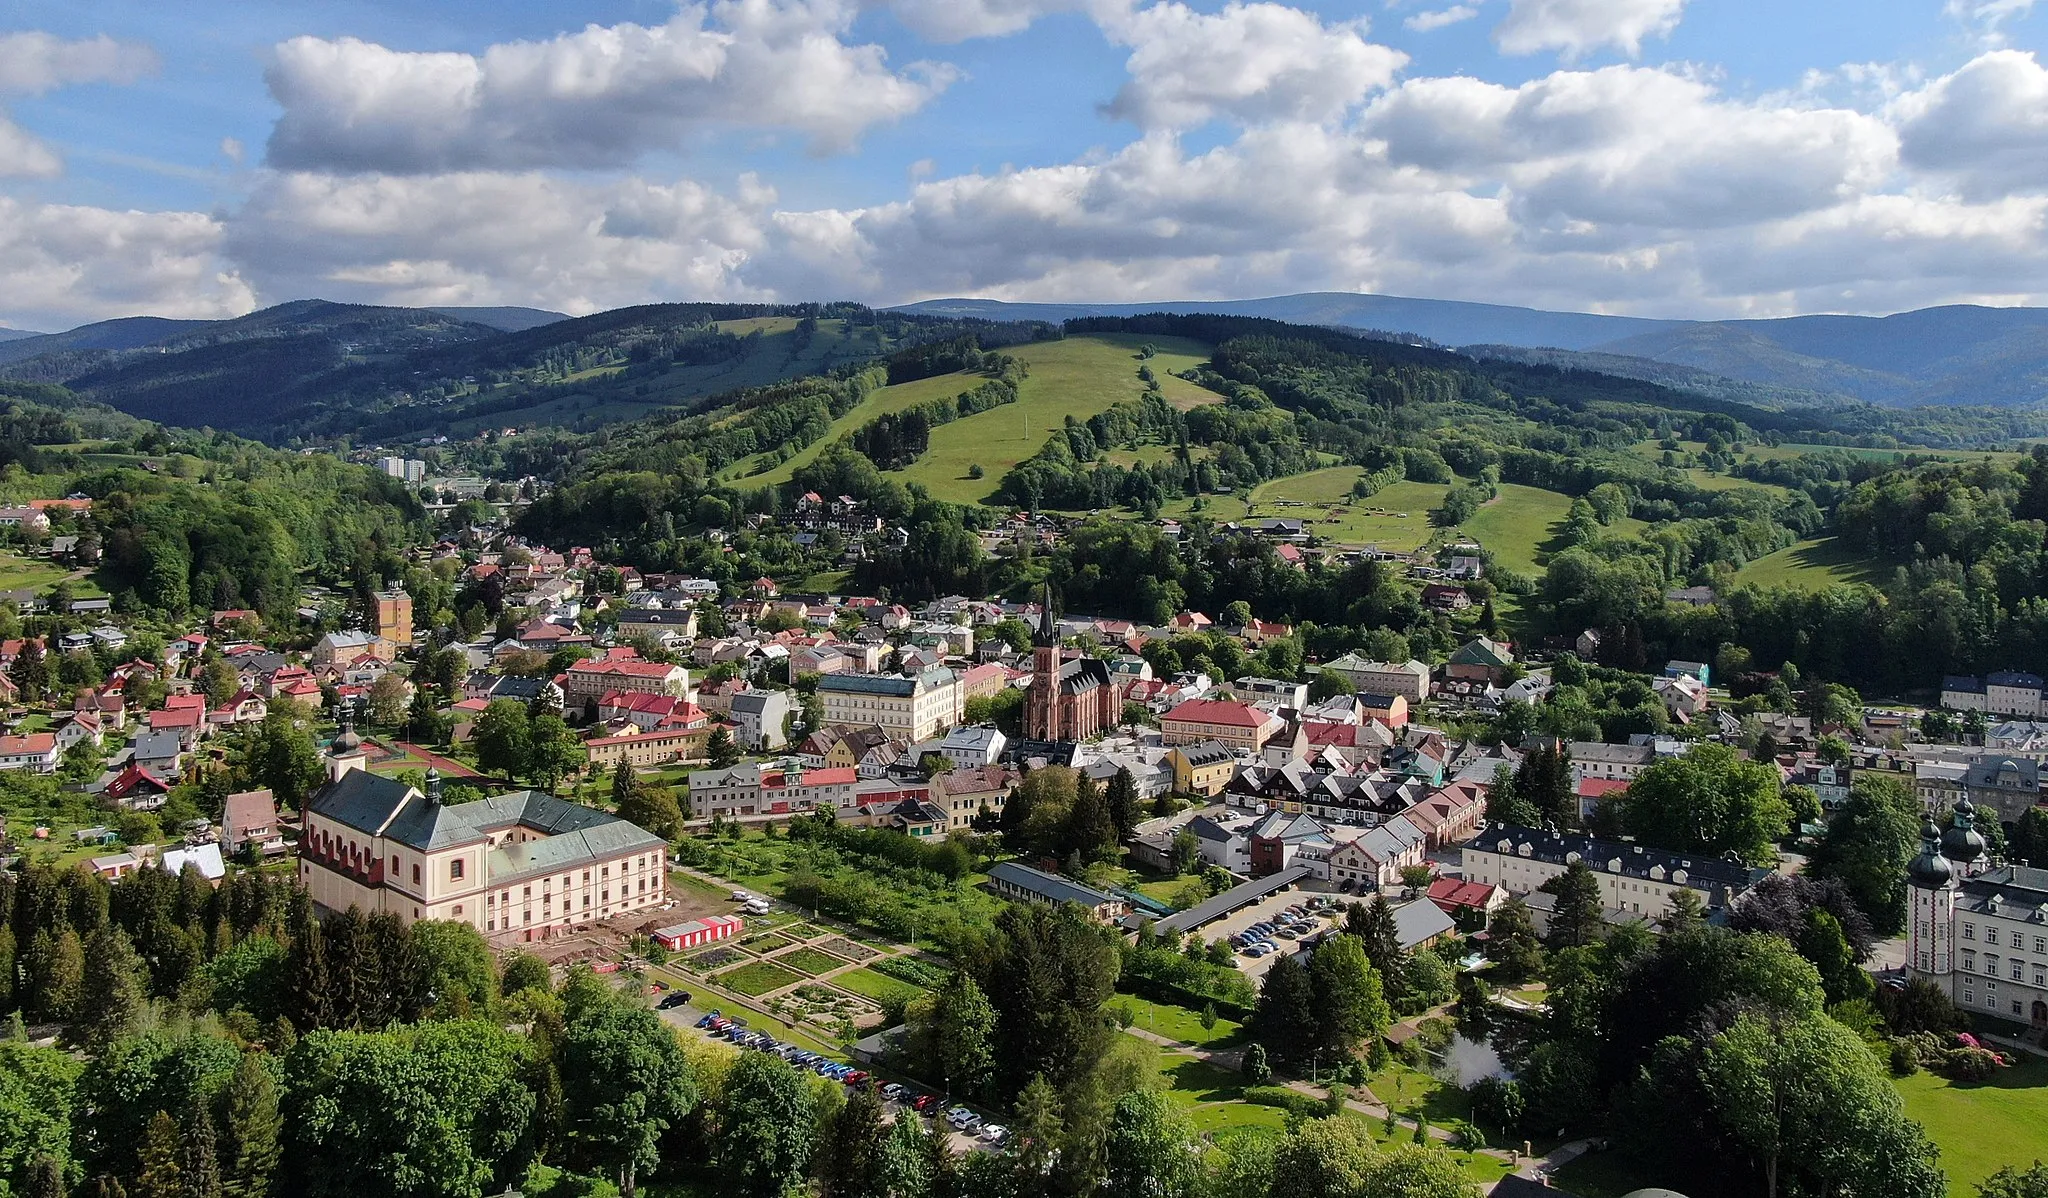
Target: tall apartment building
x=392, y=618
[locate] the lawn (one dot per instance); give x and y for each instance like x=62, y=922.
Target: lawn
x=878, y=986
x=1812, y=565
x=1519, y=526
x=1406, y=1089
x=1395, y=519
x=1076, y=376
x=1177, y=1023
x=757, y=978
x=1983, y=1127
x=22, y=573
x=810, y=961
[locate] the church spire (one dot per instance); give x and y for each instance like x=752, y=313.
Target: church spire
x=1048, y=628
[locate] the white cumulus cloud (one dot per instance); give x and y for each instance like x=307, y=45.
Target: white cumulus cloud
x=959, y=20
x=601, y=97
x=33, y=63
x=1984, y=127
x=67, y=264
x=1248, y=62
x=1576, y=28
x=1429, y=22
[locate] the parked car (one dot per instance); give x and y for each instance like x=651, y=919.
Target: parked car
x=673, y=1000
x=993, y=1133
x=924, y=1103
x=892, y=1091
x=855, y=1077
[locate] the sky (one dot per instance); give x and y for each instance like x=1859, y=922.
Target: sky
x=1671, y=158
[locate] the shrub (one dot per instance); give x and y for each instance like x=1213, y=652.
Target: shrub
x=1285, y=1099
x=1969, y=1064
x=1904, y=1061
x=1257, y=1070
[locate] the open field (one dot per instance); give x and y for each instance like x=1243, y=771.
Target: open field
x=1395, y=519
x=1983, y=1126
x=1812, y=565
x=878, y=403
x=1078, y=377
x=1519, y=525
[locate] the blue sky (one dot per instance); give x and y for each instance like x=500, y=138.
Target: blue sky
x=1661, y=157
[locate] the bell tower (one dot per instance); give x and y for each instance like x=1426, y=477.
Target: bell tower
x=1931, y=901
x=1041, y=702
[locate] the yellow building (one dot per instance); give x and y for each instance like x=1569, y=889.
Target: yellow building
x=393, y=617
x=1204, y=768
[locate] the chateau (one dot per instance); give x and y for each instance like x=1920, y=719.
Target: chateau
x=1069, y=701
x=1979, y=933
x=517, y=867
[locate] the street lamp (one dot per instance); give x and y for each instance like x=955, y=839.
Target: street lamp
x=1315, y=1076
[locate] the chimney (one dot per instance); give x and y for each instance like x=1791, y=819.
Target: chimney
x=434, y=786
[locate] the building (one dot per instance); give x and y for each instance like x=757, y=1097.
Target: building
x=1025, y=884
x=659, y=623
x=2003, y=692
x=1597, y=759
x=1481, y=663
x=1979, y=933
x=1409, y=679
x=36, y=752
x=250, y=820
x=698, y=932
x=759, y=716
x=910, y=709
x=2003, y=787
x=962, y=793
x=1068, y=700
x=410, y=470
x=659, y=746
x=517, y=867
x=1202, y=768
x=1287, y=694
x=785, y=789
x=1244, y=728
x=392, y=617
x=972, y=746
x=1636, y=881
x=588, y=681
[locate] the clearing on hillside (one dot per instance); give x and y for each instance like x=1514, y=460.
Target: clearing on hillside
x=1813, y=565
x=1076, y=376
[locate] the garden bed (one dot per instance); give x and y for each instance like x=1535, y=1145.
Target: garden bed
x=809, y=961
x=757, y=978
x=878, y=986
x=714, y=958
x=840, y=946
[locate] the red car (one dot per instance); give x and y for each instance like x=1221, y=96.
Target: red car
x=925, y=1102
x=855, y=1078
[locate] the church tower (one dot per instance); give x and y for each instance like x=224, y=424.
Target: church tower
x=1042, y=701
x=1931, y=899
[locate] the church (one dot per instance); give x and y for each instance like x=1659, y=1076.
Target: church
x=1067, y=701
x=1979, y=932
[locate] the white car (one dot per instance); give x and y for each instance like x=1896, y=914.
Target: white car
x=741, y=896
x=994, y=1133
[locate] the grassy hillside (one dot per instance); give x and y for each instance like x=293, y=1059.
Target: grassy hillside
x=1811, y=566
x=878, y=403
x=1078, y=377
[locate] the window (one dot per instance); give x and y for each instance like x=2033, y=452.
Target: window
x=1969, y=959
x=455, y=870
x=526, y=892
x=1990, y=935
x=2016, y=969
x=1991, y=964
x=415, y=873
x=1969, y=931
x=2015, y=1006
x=458, y=909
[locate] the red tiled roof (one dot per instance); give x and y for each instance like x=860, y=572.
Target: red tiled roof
x=1451, y=893
x=1600, y=788
x=1218, y=711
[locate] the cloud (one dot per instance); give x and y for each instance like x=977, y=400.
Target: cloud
x=959, y=20
x=22, y=154
x=33, y=63
x=1249, y=62
x=495, y=238
x=1985, y=127
x=1630, y=146
x=1988, y=17
x=66, y=264
x=602, y=97
x=1429, y=22
x=1575, y=28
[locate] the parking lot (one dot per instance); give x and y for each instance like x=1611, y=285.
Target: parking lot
x=1265, y=910
x=898, y=1098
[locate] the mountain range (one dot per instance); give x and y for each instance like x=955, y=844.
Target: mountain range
x=1933, y=356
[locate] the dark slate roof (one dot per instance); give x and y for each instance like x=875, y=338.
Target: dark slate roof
x=1985, y=771
x=869, y=684
x=1048, y=886
x=1086, y=674
x=1559, y=848
x=1242, y=895
x=1966, y=684
x=361, y=800
x=2013, y=678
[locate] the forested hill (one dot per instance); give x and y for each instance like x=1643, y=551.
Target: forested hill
x=318, y=369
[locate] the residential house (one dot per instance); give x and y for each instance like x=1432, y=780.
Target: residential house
x=973, y=746
x=1235, y=724
x=1480, y=663
x=963, y=792
x=760, y=716
x=1025, y=884
x=249, y=820
x=784, y=789
x=35, y=752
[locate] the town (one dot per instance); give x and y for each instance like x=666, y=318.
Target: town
x=808, y=824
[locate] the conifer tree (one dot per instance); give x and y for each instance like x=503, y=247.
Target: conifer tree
x=308, y=1002
x=1123, y=802
x=45, y=1179
x=162, y=1173
x=111, y=1000
x=199, y=1162
x=249, y=1132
